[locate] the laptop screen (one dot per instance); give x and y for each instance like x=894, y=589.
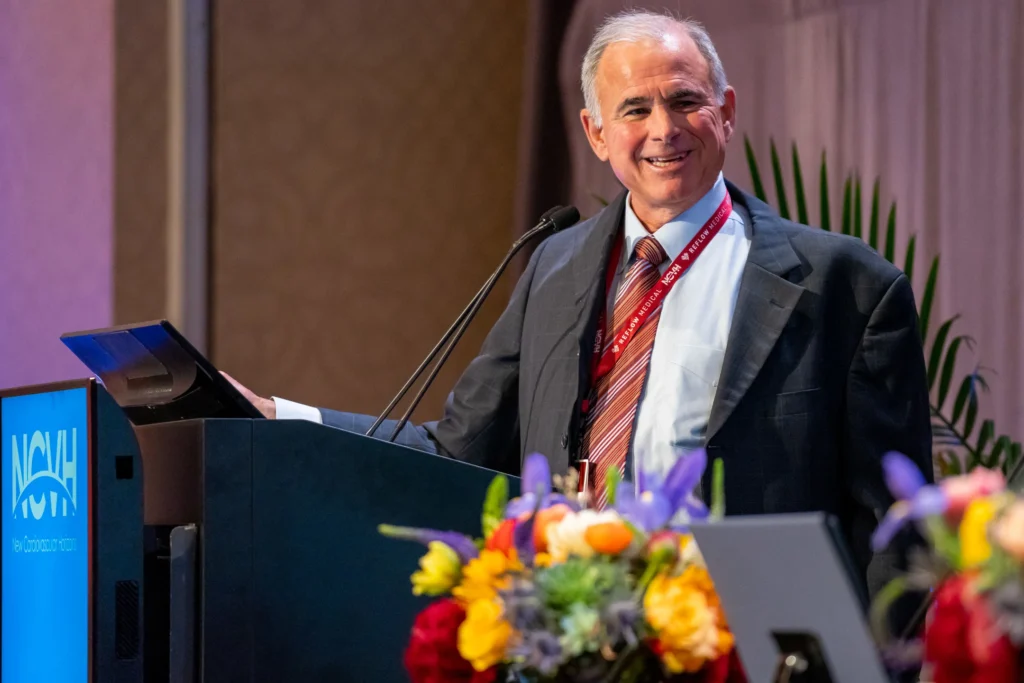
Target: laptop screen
x=44, y=536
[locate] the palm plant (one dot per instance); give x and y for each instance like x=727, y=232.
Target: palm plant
x=958, y=446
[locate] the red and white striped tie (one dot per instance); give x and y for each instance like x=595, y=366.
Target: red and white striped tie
x=608, y=429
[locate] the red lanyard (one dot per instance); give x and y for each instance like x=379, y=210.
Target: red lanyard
x=604, y=359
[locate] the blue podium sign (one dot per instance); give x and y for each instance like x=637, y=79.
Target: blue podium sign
x=44, y=536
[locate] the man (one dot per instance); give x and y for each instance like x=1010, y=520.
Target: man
x=790, y=353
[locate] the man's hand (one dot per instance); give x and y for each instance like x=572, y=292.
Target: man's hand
x=264, y=405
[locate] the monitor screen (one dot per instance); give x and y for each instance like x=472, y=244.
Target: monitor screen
x=45, y=529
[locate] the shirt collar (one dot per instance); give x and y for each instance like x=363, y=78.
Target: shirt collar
x=677, y=233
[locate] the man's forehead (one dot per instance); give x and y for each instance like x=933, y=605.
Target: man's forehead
x=629, y=65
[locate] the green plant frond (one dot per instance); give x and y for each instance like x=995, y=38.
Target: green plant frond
x=755, y=173
x=947, y=369
x=780, y=184
x=847, y=220
x=929, y=297
x=938, y=346
x=873, y=219
x=908, y=259
x=798, y=189
x=890, y=236
x=826, y=214
x=857, y=232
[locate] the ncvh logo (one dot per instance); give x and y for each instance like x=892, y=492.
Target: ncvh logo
x=44, y=481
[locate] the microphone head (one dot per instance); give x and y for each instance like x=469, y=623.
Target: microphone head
x=564, y=217
x=549, y=213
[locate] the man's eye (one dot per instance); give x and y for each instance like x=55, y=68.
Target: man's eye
x=684, y=104
x=636, y=111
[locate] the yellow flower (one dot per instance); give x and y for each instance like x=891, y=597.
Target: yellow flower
x=484, y=635
x=485, y=575
x=974, y=544
x=685, y=612
x=440, y=569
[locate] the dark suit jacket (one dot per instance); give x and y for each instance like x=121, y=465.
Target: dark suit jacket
x=823, y=372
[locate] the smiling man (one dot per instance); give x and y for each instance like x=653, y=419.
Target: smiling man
x=687, y=314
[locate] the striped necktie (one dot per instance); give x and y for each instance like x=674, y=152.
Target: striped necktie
x=608, y=429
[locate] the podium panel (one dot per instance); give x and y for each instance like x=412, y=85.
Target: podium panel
x=296, y=583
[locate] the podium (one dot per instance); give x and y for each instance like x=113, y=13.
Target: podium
x=293, y=580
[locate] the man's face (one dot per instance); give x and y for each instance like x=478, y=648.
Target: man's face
x=662, y=129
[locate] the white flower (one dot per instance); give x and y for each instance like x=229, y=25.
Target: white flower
x=567, y=536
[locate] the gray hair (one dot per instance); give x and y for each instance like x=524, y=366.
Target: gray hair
x=632, y=26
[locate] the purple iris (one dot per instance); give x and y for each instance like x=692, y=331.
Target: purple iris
x=536, y=489
x=462, y=545
x=915, y=500
x=658, y=500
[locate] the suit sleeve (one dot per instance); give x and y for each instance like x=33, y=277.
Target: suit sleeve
x=480, y=424
x=887, y=410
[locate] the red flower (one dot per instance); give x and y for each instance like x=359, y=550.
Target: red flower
x=432, y=655
x=503, y=538
x=725, y=669
x=962, y=641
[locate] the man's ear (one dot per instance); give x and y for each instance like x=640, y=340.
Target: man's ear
x=595, y=135
x=728, y=110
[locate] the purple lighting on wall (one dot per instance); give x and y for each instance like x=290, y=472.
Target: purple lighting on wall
x=56, y=182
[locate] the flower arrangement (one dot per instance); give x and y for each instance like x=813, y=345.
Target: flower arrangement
x=555, y=591
x=974, y=566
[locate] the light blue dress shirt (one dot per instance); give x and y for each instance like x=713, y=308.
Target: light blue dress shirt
x=693, y=329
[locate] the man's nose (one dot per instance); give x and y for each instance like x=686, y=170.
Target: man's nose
x=662, y=125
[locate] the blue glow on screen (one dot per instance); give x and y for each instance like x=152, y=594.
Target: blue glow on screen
x=45, y=537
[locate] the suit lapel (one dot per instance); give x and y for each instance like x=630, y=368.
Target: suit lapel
x=763, y=306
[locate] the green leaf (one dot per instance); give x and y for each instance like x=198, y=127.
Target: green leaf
x=972, y=414
x=966, y=387
x=947, y=369
x=943, y=540
x=798, y=187
x=890, y=236
x=938, y=346
x=826, y=214
x=929, y=296
x=755, y=173
x=994, y=458
x=1012, y=458
x=611, y=484
x=949, y=464
x=856, y=210
x=847, y=226
x=780, y=186
x=873, y=221
x=988, y=430
x=495, y=503
x=880, y=607
x=908, y=263
x=718, y=489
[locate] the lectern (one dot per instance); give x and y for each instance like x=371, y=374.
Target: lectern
x=292, y=581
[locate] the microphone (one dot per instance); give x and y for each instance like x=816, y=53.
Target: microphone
x=553, y=220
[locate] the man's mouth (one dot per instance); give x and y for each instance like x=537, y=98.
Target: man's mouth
x=667, y=161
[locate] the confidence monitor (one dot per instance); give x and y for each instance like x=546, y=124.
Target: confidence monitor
x=156, y=375
x=70, y=537
x=790, y=592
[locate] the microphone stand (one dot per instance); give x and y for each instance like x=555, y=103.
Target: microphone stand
x=457, y=328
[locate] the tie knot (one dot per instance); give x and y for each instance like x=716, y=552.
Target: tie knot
x=649, y=250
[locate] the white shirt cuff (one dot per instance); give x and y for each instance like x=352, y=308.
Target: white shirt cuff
x=290, y=410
